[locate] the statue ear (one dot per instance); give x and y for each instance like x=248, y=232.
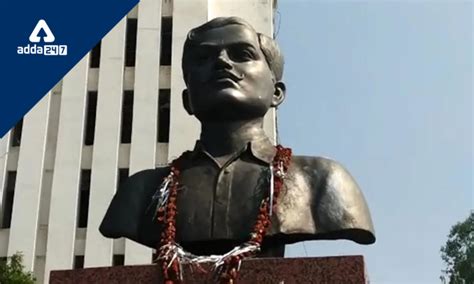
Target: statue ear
x=187, y=102
x=279, y=94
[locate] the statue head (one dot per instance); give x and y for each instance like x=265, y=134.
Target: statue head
x=231, y=71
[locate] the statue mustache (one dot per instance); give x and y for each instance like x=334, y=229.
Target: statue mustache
x=234, y=76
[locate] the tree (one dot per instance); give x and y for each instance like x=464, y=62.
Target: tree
x=458, y=253
x=12, y=272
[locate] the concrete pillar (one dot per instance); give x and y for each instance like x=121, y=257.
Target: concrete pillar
x=4, y=148
x=99, y=250
x=145, y=105
x=66, y=176
x=29, y=178
x=184, y=129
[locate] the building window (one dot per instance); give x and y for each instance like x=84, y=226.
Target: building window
x=94, y=59
x=78, y=262
x=123, y=175
x=118, y=260
x=8, y=199
x=127, y=116
x=164, y=115
x=16, y=133
x=166, y=37
x=84, y=193
x=131, y=42
x=90, y=117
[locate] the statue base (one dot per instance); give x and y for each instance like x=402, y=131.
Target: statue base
x=337, y=269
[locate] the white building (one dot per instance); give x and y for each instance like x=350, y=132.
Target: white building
x=109, y=117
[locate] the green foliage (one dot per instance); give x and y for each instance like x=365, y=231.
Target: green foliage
x=458, y=253
x=12, y=271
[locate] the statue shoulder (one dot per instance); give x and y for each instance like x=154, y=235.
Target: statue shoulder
x=144, y=178
x=325, y=170
x=140, y=186
x=130, y=202
x=320, y=169
x=338, y=202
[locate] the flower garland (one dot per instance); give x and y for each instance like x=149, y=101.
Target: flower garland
x=172, y=256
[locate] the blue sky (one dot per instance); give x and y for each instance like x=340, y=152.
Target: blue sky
x=385, y=87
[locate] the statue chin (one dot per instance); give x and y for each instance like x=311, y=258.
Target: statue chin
x=228, y=114
x=229, y=105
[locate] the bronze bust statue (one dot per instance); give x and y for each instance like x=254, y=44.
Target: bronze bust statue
x=233, y=77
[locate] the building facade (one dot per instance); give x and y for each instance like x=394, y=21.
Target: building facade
x=118, y=111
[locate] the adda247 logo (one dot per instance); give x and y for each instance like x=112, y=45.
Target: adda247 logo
x=42, y=49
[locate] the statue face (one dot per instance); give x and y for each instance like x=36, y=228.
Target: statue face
x=228, y=77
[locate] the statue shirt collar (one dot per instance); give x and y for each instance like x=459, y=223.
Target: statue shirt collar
x=260, y=147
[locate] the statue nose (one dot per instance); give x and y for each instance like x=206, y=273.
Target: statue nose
x=223, y=60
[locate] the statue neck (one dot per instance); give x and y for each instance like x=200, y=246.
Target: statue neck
x=225, y=138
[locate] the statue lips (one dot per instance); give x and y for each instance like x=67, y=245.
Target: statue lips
x=225, y=77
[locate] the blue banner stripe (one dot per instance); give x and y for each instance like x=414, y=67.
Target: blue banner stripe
x=77, y=26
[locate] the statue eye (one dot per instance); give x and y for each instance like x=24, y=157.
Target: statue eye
x=203, y=54
x=241, y=54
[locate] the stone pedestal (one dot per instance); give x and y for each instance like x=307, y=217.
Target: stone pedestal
x=340, y=269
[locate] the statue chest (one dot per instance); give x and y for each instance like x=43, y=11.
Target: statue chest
x=220, y=203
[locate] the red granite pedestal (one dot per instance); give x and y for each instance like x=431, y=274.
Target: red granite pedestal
x=340, y=269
